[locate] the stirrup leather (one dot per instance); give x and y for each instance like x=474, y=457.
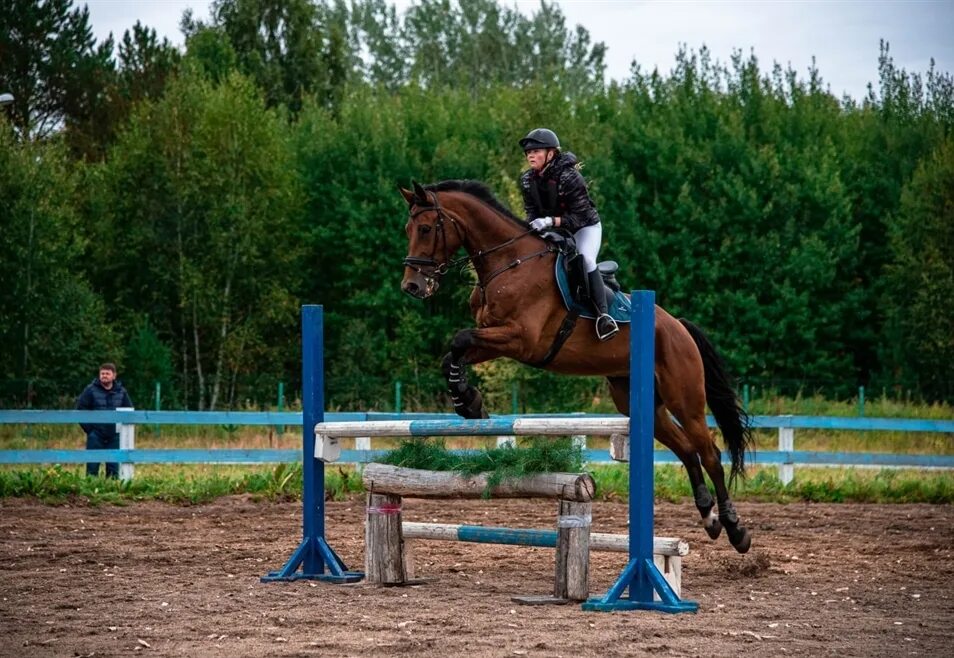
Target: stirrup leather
x=608, y=326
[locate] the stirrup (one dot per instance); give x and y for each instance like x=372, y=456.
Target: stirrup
x=613, y=327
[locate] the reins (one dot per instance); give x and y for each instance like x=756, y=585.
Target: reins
x=437, y=270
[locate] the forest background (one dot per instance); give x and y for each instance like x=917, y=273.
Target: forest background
x=171, y=209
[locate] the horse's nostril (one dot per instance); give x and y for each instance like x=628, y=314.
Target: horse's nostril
x=410, y=288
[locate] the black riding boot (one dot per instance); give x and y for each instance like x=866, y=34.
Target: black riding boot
x=606, y=326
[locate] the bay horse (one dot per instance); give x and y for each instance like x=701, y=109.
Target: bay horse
x=518, y=311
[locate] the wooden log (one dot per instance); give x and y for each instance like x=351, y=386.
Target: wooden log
x=383, y=540
x=383, y=478
x=599, y=541
x=572, y=579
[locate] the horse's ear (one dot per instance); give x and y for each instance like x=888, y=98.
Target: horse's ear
x=419, y=193
x=408, y=196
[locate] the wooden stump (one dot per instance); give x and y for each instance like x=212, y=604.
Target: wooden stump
x=573, y=551
x=384, y=543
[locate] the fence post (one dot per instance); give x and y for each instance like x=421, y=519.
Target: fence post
x=745, y=397
x=861, y=400
x=158, y=428
x=361, y=443
x=127, y=441
x=280, y=429
x=397, y=396
x=786, y=443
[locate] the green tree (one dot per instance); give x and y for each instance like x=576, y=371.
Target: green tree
x=203, y=184
x=882, y=141
x=145, y=64
x=149, y=361
x=293, y=49
x=920, y=283
x=727, y=201
x=53, y=328
x=52, y=65
x=478, y=45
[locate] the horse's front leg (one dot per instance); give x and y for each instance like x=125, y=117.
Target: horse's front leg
x=469, y=347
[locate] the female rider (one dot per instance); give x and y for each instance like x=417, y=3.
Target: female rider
x=555, y=195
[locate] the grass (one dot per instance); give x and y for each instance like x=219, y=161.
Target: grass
x=191, y=484
x=881, y=406
x=177, y=484
x=818, y=485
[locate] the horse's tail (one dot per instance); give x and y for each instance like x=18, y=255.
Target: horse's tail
x=723, y=401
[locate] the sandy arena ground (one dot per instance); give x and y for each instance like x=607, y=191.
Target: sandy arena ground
x=154, y=579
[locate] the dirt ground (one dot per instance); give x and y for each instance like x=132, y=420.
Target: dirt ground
x=151, y=578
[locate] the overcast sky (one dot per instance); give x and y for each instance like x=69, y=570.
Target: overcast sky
x=842, y=35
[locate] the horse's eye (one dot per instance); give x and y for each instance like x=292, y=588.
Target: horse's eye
x=423, y=229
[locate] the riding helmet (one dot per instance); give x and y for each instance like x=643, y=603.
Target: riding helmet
x=540, y=138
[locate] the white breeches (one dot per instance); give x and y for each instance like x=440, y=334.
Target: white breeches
x=588, y=241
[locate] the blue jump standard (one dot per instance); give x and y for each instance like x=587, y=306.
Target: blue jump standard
x=314, y=559
x=634, y=588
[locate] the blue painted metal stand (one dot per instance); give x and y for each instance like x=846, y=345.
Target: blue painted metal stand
x=641, y=577
x=314, y=559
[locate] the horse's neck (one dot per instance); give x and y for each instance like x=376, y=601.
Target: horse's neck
x=483, y=227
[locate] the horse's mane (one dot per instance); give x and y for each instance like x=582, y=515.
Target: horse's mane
x=478, y=190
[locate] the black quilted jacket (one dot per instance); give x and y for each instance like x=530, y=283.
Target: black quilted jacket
x=559, y=191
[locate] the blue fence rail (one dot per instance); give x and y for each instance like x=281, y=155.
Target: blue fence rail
x=145, y=417
x=786, y=458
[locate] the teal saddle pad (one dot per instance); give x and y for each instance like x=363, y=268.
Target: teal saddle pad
x=619, y=309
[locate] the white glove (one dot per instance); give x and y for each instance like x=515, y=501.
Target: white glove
x=541, y=223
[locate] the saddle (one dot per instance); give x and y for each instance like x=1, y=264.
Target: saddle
x=573, y=282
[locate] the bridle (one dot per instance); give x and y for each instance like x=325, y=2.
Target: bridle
x=432, y=270
x=435, y=270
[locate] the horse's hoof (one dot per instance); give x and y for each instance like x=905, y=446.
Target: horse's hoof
x=714, y=530
x=741, y=539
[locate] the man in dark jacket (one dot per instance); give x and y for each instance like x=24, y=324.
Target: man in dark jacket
x=555, y=195
x=105, y=393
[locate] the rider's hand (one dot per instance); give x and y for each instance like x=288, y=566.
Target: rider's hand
x=541, y=223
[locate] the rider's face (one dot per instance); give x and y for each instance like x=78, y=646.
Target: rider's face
x=537, y=158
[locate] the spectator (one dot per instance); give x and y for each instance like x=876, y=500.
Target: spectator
x=104, y=393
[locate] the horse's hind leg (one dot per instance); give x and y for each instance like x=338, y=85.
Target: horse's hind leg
x=672, y=436
x=711, y=458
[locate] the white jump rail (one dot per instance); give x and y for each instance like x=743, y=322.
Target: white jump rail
x=328, y=435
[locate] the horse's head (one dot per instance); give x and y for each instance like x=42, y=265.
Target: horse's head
x=431, y=242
